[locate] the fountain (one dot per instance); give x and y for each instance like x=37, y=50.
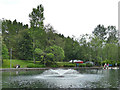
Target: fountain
x=62, y=78
x=60, y=72
x=65, y=78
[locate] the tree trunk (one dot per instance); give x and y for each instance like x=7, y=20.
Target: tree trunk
x=33, y=51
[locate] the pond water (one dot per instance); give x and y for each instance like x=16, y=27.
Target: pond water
x=62, y=78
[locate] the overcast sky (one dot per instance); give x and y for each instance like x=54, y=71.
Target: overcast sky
x=69, y=17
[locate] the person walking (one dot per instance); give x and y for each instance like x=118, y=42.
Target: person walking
x=105, y=65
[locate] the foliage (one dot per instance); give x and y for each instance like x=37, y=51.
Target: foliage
x=65, y=64
x=69, y=65
x=50, y=59
x=118, y=63
x=38, y=51
x=58, y=52
x=82, y=65
x=109, y=62
x=71, y=49
x=5, y=53
x=54, y=66
x=39, y=54
x=31, y=65
x=37, y=26
x=100, y=32
x=37, y=16
x=89, y=65
x=10, y=29
x=61, y=64
x=74, y=65
x=23, y=46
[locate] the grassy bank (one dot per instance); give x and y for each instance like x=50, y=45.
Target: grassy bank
x=22, y=63
x=30, y=64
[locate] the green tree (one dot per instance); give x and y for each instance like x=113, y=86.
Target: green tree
x=10, y=29
x=50, y=59
x=39, y=54
x=112, y=34
x=100, y=32
x=37, y=25
x=37, y=16
x=68, y=49
x=96, y=44
x=84, y=49
x=110, y=52
x=23, y=46
x=0, y=41
x=52, y=38
x=57, y=51
x=5, y=53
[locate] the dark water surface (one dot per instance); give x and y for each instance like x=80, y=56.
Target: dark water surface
x=82, y=78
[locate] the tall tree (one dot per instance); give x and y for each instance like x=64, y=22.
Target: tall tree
x=96, y=44
x=23, y=49
x=10, y=29
x=100, y=32
x=112, y=34
x=36, y=22
x=84, y=47
x=57, y=51
x=52, y=38
x=5, y=53
x=37, y=16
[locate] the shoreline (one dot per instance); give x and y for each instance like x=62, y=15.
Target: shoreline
x=28, y=69
x=21, y=69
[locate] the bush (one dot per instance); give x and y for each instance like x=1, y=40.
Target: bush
x=61, y=64
x=89, y=65
x=69, y=65
x=54, y=66
x=118, y=64
x=82, y=65
x=110, y=62
x=31, y=65
x=106, y=61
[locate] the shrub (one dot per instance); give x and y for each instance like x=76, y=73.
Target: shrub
x=61, y=64
x=31, y=65
x=89, y=65
x=118, y=63
x=82, y=65
x=5, y=53
x=54, y=66
x=110, y=62
x=69, y=65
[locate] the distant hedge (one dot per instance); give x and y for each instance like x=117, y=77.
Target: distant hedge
x=69, y=65
x=31, y=65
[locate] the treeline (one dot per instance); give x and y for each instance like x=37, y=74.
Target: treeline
x=42, y=43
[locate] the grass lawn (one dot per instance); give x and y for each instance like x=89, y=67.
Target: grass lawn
x=30, y=64
x=22, y=63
